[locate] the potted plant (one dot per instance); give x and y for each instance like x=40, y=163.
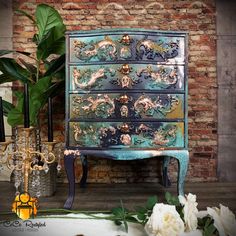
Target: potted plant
x=44, y=77
x=44, y=73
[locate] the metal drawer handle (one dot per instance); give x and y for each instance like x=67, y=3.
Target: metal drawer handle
x=124, y=99
x=125, y=69
x=125, y=128
x=126, y=39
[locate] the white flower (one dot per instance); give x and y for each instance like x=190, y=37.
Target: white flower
x=224, y=220
x=190, y=211
x=164, y=221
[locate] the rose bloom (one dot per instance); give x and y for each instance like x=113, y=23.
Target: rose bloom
x=224, y=220
x=164, y=221
x=190, y=211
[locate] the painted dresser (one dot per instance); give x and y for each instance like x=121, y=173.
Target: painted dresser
x=126, y=99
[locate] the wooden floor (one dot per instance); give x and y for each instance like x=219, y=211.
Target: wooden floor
x=106, y=196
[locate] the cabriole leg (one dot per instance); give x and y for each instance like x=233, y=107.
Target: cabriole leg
x=83, y=180
x=183, y=160
x=69, y=167
x=165, y=178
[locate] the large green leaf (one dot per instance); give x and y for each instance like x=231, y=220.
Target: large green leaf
x=5, y=79
x=55, y=89
x=7, y=107
x=13, y=70
x=27, y=15
x=31, y=68
x=47, y=18
x=4, y=52
x=56, y=65
x=52, y=43
x=38, y=98
x=15, y=115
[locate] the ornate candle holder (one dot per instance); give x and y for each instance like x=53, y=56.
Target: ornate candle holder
x=20, y=155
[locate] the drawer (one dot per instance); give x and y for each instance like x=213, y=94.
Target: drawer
x=132, y=47
x=126, y=106
x=126, y=77
x=136, y=135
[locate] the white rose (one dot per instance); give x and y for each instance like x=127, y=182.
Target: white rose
x=190, y=211
x=164, y=221
x=224, y=220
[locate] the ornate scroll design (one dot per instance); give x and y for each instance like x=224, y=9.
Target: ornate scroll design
x=160, y=49
x=143, y=135
x=165, y=136
x=104, y=50
x=103, y=131
x=162, y=77
x=90, y=78
x=102, y=106
x=85, y=136
x=144, y=105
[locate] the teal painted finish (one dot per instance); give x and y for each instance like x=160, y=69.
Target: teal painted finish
x=126, y=97
x=110, y=77
x=111, y=47
x=138, y=106
x=127, y=135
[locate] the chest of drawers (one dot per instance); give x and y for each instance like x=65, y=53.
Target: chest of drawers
x=126, y=98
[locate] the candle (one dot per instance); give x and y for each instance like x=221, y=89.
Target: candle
x=50, y=124
x=26, y=106
x=2, y=130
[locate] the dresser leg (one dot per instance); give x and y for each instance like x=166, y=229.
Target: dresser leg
x=183, y=159
x=165, y=178
x=69, y=167
x=83, y=180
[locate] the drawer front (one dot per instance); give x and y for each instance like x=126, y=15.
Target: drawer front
x=127, y=106
x=132, y=47
x=136, y=135
x=126, y=77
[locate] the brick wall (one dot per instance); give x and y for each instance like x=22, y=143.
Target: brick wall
x=196, y=17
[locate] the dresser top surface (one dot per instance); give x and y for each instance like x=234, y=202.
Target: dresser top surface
x=126, y=30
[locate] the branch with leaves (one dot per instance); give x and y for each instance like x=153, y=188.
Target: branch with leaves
x=45, y=76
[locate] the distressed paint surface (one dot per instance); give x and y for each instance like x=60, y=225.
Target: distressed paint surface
x=112, y=47
x=126, y=97
x=141, y=76
x=137, y=106
x=127, y=135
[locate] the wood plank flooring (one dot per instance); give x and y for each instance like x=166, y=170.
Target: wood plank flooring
x=103, y=197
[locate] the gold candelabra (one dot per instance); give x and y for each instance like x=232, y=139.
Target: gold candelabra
x=20, y=155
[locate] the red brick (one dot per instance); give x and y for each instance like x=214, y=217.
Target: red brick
x=195, y=18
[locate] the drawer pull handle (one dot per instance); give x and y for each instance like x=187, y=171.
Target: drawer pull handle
x=126, y=39
x=125, y=69
x=124, y=99
x=125, y=128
